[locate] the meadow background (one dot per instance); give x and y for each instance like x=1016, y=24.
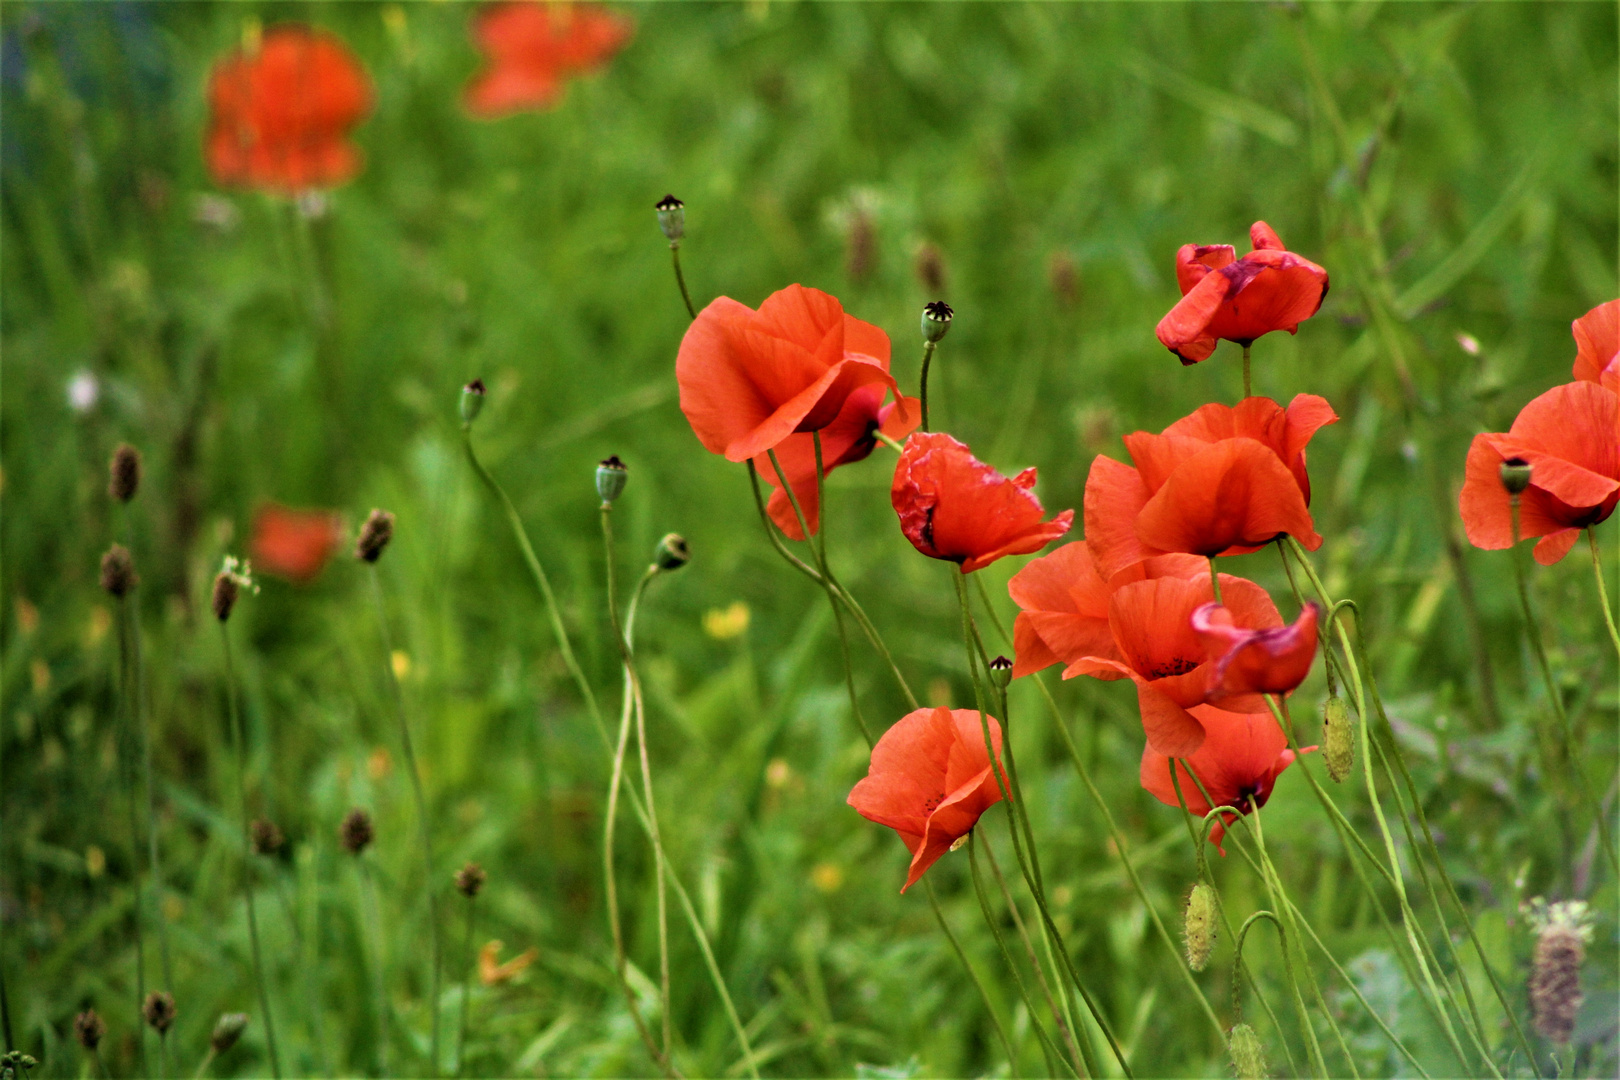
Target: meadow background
x=1454, y=167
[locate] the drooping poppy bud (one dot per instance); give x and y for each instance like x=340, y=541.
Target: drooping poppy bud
x=1515, y=475
x=470, y=879
x=671, y=552
x=118, y=574
x=936, y=321
x=611, y=476
x=227, y=1029
x=356, y=833
x=374, y=536
x=1248, y=1054
x=1338, y=739
x=159, y=1011
x=124, y=471
x=472, y=401
x=1198, y=925
x=671, y=219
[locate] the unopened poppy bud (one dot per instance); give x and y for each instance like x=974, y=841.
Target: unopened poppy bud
x=89, y=1028
x=1562, y=931
x=1198, y=925
x=611, y=476
x=671, y=218
x=470, y=879
x=118, y=574
x=1001, y=670
x=266, y=836
x=472, y=401
x=227, y=1029
x=158, y=1010
x=355, y=833
x=374, y=536
x=1515, y=475
x=672, y=552
x=936, y=320
x=1338, y=739
x=1248, y=1056
x=124, y=471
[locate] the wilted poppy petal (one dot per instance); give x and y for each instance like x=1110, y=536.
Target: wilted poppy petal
x=1195, y=261
x=1274, y=660
x=1184, y=329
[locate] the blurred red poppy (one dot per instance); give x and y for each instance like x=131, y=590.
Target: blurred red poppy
x=849, y=438
x=953, y=506
x=930, y=780
x=1223, y=296
x=749, y=379
x=1570, y=438
x=1240, y=759
x=294, y=544
x=1597, y=346
x=1274, y=660
x=532, y=50
x=1222, y=481
x=280, y=116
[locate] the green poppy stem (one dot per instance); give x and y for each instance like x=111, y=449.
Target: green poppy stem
x=928, y=358
x=984, y=994
x=466, y=986
x=1603, y=590
x=1247, y=387
x=680, y=279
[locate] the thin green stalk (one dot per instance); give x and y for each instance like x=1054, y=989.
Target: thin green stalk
x=144, y=721
x=202, y=1069
x=984, y=994
x=1215, y=577
x=423, y=831
x=239, y=744
x=1603, y=590
x=680, y=278
x=928, y=358
x=369, y=915
x=466, y=985
x=1290, y=940
x=770, y=530
x=127, y=774
x=1247, y=390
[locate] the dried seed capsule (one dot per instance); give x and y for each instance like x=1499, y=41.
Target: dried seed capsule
x=1248, y=1056
x=936, y=320
x=374, y=536
x=227, y=1029
x=124, y=471
x=470, y=879
x=671, y=218
x=355, y=833
x=672, y=552
x=1198, y=925
x=158, y=1010
x=118, y=574
x=89, y=1028
x=1338, y=738
x=611, y=476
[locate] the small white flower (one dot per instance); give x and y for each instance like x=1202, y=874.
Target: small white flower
x=83, y=391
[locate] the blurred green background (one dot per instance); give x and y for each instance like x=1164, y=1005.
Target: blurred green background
x=1454, y=167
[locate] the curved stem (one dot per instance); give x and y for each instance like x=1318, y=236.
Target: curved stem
x=984, y=994
x=680, y=278
x=1603, y=590
x=1274, y=888
x=928, y=358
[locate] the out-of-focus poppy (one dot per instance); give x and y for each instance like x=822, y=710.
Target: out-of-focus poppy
x=749, y=379
x=930, y=780
x=294, y=544
x=1273, y=660
x=851, y=437
x=1240, y=759
x=1597, y=346
x=534, y=48
x=1570, y=438
x=1223, y=296
x=1222, y=481
x=1158, y=649
x=281, y=114
x=953, y=506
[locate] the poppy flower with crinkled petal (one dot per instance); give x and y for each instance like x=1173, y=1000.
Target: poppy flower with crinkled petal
x=294, y=544
x=1273, y=660
x=749, y=379
x=1597, y=346
x=1240, y=759
x=1268, y=289
x=953, y=506
x=533, y=49
x=1570, y=438
x=929, y=780
x=851, y=437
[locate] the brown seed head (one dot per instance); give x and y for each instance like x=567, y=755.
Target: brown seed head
x=931, y=269
x=118, y=574
x=124, y=473
x=226, y=592
x=469, y=879
x=1063, y=275
x=89, y=1028
x=159, y=1011
x=355, y=833
x=374, y=536
x=267, y=837
x=1562, y=931
x=861, y=255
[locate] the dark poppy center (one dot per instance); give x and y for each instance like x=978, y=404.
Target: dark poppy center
x=933, y=804
x=1180, y=665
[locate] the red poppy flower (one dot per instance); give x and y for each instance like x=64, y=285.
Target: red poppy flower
x=1597, y=346
x=1240, y=759
x=1570, y=438
x=1268, y=661
x=749, y=379
x=1158, y=649
x=953, y=506
x=280, y=116
x=1223, y=296
x=534, y=48
x=1222, y=481
x=294, y=544
x=848, y=439
x=929, y=781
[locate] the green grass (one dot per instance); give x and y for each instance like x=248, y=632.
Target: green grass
x=1480, y=140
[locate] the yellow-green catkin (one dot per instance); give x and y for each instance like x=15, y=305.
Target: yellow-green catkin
x=1198, y=925
x=1338, y=739
x=1248, y=1056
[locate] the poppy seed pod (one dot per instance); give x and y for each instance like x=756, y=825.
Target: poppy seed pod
x=1248, y=1056
x=470, y=879
x=672, y=552
x=1515, y=475
x=266, y=836
x=374, y=536
x=124, y=471
x=1338, y=739
x=1001, y=670
x=472, y=401
x=89, y=1028
x=671, y=219
x=118, y=574
x=611, y=476
x=355, y=833
x=936, y=320
x=158, y=1010
x=1198, y=925
x=227, y=1029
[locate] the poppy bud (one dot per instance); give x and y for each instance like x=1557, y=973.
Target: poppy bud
x=226, y=591
x=671, y=218
x=355, y=833
x=1338, y=742
x=470, y=879
x=374, y=536
x=89, y=1028
x=1001, y=670
x=1562, y=931
x=936, y=320
x=472, y=401
x=1198, y=925
x=1515, y=475
x=16, y=1063
x=267, y=838
x=125, y=473
x=611, y=476
x=227, y=1029
x=672, y=552
x=159, y=1011
x=1248, y=1056
x=118, y=574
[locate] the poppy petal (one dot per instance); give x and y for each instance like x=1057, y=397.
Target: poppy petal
x=1233, y=493
x=1115, y=495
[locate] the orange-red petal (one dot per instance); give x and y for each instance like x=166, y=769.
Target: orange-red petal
x=1232, y=494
